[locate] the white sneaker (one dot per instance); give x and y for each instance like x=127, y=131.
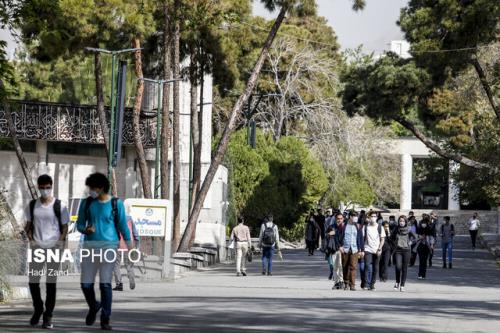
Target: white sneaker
x=402, y=289
x=420, y=278
x=396, y=286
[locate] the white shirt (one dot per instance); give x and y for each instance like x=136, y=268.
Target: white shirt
x=474, y=224
x=372, y=238
x=276, y=233
x=45, y=225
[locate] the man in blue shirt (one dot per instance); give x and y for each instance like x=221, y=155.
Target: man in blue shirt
x=100, y=219
x=352, y=247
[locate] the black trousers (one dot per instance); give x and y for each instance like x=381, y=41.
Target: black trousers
x=35, y=271
x=473, y=236
x=401, y=261
x=423, y=255
x=311, y=246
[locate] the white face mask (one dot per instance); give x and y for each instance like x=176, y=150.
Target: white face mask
x=45, y=193
x=373, y=219
x=355, y=219
x=93, y=194
x=424, y=225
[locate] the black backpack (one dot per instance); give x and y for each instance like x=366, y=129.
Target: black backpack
x=114, y=205
x=268, y=236
x=57, y=212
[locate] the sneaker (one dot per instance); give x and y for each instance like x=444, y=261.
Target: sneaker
x=269, y=274
x=243, y=273
x=449, y=265
x=372, y=288
x=237, y=274
x=263, y=272
x=353, y=288
x=91, y=315
x=346, y=286
x=330, y=276
x=365, y=288
x=106, y=327
x=420, y=278
x=119, y=287
x=396, y=286
x=402, y=289
x=47, y=322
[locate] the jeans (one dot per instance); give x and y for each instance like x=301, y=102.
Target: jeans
x=241, y=257
x=89, y=272
x=129, y=266
x=401, y=261
x=362, y=266
x=371, y=268
x=447, y=248
x=51, y=285
x=267, y=259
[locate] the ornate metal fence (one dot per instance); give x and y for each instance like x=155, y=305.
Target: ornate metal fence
x=69, y=123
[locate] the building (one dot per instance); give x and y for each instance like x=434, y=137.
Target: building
x=65, y=141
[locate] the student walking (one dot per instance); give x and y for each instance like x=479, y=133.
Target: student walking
x=447, y=235
x=101, y=218
x=401, y=236
x=387, y=251
x=47, y=221
x=269, y=239
x=412, y=221
x=374, y=238
x=424, y=246
x=473, y=225
x=434, y=227
x=312, y=234
x=241, y=235
x=124, y=256
x=351, y=246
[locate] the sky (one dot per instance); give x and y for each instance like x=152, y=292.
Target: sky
x=374, y=27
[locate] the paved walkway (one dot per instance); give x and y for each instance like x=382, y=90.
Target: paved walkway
x=298, y=298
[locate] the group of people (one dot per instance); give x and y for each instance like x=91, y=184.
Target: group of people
x=365, y=241
x=104, y=224
x=269, y=242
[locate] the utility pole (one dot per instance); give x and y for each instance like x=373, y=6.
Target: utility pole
x=159, y=124
x=112, y=154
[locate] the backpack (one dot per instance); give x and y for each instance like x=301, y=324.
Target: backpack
x=268, y=236
x=114, y=206
x=57, y=212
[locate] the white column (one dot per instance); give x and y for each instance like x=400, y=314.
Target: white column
x=406, y=181
x=453, y=190
x=41, y=150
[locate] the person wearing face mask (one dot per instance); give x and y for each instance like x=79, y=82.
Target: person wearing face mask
x=351, y=246
x=412, y=221
x=401, y=236
x=434, y=227
x=361, y=221
x=47, y=221
x=424, y=232
x=102, y=219
x=374, y=239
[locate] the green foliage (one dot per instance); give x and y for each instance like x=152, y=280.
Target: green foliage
x=280, y=178
x=7, y=81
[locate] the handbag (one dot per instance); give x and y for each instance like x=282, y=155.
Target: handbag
x=249, y=256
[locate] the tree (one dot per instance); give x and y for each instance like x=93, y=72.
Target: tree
x=434, y=26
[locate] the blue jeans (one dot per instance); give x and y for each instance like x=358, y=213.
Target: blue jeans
x=267, y=259
x=447, y=247
x=371, y=267
x=89, y=272
x=361, y=264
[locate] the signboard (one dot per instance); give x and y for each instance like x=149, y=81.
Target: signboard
x=152, y=217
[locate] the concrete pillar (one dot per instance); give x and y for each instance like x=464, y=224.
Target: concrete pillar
x=41, y=150
x=406, y=181
x=453, y=190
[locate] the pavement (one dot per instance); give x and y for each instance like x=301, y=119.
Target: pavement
x=297, y=298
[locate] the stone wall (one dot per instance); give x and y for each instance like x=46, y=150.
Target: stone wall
x=488, y=218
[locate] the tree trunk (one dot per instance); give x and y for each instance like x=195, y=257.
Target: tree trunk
x=195, y=129
x=19, y=151
x=165, y=129
x=228, y=130
x=139, y=149
x=176, y=129
x=101, y=112
x=486, y=86
x=438, y=150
